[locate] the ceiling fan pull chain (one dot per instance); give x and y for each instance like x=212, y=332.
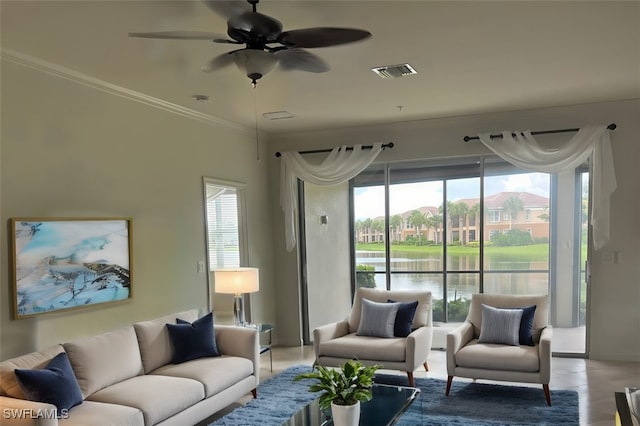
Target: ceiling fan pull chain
x=255, y=115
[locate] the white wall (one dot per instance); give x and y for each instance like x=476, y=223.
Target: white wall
x=615, y=291
x=69, y=150
x=328, y=276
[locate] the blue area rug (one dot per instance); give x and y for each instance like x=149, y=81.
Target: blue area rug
x=467, y=404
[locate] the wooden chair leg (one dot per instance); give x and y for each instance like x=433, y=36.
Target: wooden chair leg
x=410, y=376
x=254, y=392
x=426, y=366
x=449, y=381
x=547, y=394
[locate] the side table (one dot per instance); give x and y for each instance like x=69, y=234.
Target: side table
x=264, y=331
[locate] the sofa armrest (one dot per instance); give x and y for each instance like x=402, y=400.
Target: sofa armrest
x=418, y=346
x=456, y=339
x=327, y=332
x=544, y=352
x=239, y=341
x=21, y=412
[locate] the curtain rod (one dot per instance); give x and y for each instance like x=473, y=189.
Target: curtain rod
x=611, y=126
x=349, y=148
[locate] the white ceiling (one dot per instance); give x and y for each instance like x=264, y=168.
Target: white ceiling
x=472, y=57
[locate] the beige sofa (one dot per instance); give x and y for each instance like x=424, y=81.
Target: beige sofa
x=126, y=378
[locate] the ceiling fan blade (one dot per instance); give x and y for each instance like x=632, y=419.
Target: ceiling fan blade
x=322, y=37
x=180, y=35
x=227, y=8
x=301, y=60
x=218, y=62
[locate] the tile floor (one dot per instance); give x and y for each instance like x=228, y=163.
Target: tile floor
x=595, y=381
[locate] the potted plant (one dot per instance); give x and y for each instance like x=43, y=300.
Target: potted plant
x=344, y=388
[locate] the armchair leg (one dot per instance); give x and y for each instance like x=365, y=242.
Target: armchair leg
x=254, y=392
x=547, y=394
x=426, y=366
x=449, y=381
x=410, y=376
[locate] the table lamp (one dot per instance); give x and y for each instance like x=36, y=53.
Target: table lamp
x=237, y=281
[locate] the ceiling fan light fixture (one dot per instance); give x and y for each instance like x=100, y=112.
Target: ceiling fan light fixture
x=255, y=63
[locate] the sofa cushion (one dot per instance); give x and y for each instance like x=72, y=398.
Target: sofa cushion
x=423, y=311
x=489, y=356
x=365, y=348
x=404, y=318
x=101, y=414
x=8, y=384
x=377, y=319
x=158, y=397
x=192, y=340
x=153, y=339
x=105, y=359
x=500, y=325
x=526, y=325
x=540, y=319
x=54, y=384
x=216, y=374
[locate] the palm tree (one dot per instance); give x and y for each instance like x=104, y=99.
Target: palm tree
x=461, y=210
x=416, y=220
x=513, y=205
x=434, y=222
x=474, y=213
x=451, y=212
x=395, y=222
x=366, y=226
x=377, y=225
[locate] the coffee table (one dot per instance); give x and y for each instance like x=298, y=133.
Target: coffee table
x=385, y=408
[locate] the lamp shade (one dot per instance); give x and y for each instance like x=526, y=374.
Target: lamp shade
x=236, y=280
x=255, y=63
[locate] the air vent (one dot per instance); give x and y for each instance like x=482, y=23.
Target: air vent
x=394, y=71
x=277, y=115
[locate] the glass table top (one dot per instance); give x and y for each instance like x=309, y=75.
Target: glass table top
x=385, y=408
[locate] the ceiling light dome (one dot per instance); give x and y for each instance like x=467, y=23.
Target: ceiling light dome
x=254, y=62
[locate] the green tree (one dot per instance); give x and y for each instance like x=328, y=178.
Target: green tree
x=377, y=226
x=513, y=205
x=459, y=211
x=395, y=222
x=434, y=222
x=474, y=213
x=366, y=228
x=417, y=220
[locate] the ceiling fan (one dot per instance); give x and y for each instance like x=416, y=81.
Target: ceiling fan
x=266, y=44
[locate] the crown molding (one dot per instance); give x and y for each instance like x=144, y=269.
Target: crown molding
x=113, y=89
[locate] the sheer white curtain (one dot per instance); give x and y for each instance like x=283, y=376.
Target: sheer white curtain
x=590, y=141
x=339, y=166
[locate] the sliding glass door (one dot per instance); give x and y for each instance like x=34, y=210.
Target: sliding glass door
x=471, y=225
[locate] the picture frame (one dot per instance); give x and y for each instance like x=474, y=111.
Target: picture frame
x=68, y=263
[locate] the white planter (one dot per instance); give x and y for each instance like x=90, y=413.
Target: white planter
x=345, y=415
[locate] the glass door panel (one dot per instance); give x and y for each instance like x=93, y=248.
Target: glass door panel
x=415, y=226
x=369, y=233
x=432, y=282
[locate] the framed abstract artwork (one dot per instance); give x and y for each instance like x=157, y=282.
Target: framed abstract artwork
x=62, y=263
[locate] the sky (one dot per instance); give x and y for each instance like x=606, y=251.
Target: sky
x=369, y=201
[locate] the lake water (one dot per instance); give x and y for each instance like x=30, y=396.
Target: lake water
x=503, y=274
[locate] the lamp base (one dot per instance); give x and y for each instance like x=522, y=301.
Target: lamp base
x=238, y=309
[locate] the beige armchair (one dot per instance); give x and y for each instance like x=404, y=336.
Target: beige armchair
x=338, y=342
x=467, y=357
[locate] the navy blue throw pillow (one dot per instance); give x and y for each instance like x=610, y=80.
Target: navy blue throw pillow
x=55, y=384
x=526, y=325
x=192, y=340
x=404, y=318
